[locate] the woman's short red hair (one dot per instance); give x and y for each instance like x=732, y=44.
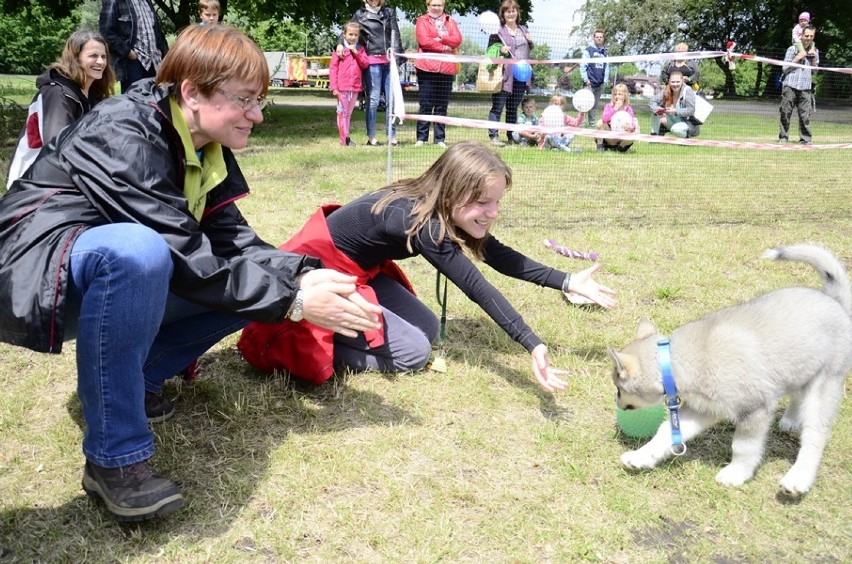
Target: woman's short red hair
x=209, y=55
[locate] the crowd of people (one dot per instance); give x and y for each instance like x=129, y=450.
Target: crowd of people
x=677, y=107
x=142, y=255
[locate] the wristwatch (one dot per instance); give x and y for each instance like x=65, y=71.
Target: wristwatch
x=295, y=313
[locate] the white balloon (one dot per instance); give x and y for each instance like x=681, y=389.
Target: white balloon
x=583, y=100
x=620, y=121
x=489, y=22
x=552, y=116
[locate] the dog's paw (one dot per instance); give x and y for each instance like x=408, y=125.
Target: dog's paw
x=637, y=460
x=793, y=484
x=734, y=475
x=790, y=424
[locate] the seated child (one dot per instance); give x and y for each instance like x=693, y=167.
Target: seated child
x=620, y=102
x=527, y=117
x=562, y=141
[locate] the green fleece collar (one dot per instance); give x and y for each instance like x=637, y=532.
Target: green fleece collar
x=202, y=175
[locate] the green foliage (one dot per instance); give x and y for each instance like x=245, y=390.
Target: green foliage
x=543, y=74
x=32, y=39
x=12, y=117
x=285, y=35
x=467, y=74
x=667, y=293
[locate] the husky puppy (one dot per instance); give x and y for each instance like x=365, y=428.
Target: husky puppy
x=737, y=363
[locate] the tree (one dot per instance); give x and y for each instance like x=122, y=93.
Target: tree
x=542, y=74
x=33, y=38
x=180, y=13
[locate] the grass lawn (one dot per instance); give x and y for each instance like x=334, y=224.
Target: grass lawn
x=476, y=464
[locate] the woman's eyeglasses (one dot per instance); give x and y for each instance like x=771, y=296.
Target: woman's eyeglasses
x=246, y=103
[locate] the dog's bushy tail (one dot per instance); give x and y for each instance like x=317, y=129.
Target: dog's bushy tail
x=835, y=282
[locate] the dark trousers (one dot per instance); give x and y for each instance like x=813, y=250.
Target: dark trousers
x=134, y=72
x=801, y=101
x=434, y=96
x=510, y=101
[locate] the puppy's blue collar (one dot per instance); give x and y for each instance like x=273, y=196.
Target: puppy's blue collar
x=664, y=359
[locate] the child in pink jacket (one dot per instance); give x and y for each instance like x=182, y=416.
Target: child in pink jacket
x=345, y=78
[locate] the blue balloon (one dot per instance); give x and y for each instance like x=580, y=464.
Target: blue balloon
x=522, y=71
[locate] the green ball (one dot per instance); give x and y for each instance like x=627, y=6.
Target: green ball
x=640, y=423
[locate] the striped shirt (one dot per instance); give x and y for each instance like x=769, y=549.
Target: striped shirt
x=794, y=77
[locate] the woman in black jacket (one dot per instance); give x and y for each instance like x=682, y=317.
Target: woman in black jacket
x=125, y=233
x=81, y=78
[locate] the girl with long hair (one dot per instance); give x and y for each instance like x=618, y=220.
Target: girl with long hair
x=444, y=215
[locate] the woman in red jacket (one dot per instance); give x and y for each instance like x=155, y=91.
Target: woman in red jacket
x=436, y=32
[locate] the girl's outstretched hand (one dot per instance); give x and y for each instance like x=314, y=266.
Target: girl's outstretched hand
x=582, y=283
x=547, y=376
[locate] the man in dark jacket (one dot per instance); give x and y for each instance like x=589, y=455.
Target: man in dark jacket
x=135, y=39
x=595, y=74
x=125, y=233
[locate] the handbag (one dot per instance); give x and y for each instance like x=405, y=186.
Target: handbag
x=490, y=81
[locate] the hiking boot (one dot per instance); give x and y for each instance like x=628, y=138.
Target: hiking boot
x=158, y=408
x=132, y=493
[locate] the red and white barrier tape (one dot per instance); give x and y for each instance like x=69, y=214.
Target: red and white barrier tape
x=450, y=58
x=603, y=134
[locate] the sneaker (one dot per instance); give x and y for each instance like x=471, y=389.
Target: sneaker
x=373, y=142
x=132, y=493
x=497, y=143
x=782, y=141
x=158, y=408
x=393, y=142
x=419, y=144
x=803, y=142
x=441, y=144
x=601, y=148
x=350, y=142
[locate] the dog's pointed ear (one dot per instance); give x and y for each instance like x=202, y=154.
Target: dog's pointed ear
x=616, y=359
x=645, y=329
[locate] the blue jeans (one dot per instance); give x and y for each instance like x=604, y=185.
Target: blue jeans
x=510, y=101
x=377, y=78
x=132, y=335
